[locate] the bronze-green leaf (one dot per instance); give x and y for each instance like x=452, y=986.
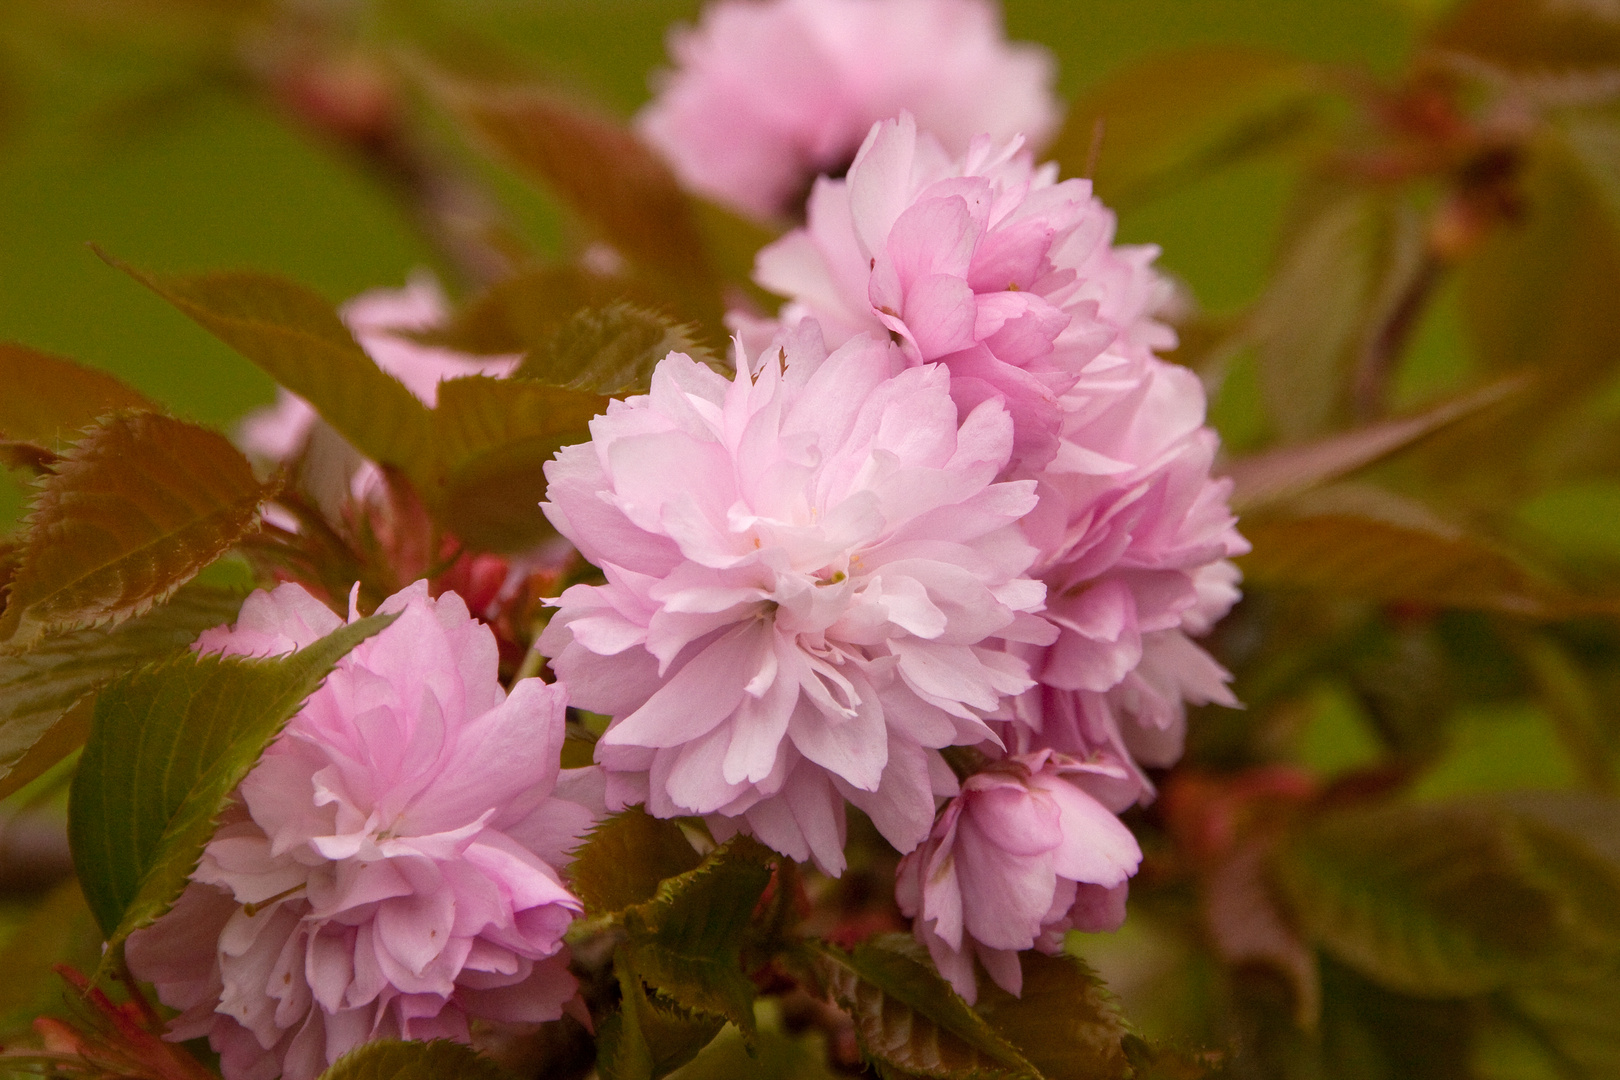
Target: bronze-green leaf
x=1372, y=545
x=626, y=857
x=1064, y=1021
x=1177, y=117
x=295, y=336
x=1277, y=474
x=601, y=170
x=1348, y=257
x=647, y=1038
x=493, y=438
x=1533, y=37
x=48, y=400
x=609, y=350
x=132, y=511
x=908, y=1020
x=1426, y=900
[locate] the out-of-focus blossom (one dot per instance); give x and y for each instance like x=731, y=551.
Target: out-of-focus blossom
x=767, y=96
x=979, y=261
x=391, y=870
x=376, y=318
x=812, y=575
x=1022, y=855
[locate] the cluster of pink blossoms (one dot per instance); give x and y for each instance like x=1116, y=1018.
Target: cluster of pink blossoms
x=950, y=498
x=392, y=867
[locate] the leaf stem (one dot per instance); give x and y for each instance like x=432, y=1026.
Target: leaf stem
x=1370, y=388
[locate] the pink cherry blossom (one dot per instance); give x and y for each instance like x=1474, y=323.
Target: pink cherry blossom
x=391, y=868
x=1022, y=855
x=981, y=262
x=766, y=96
x=1135, y=538
x=989, y=266
x=281, y=431
x=812, y=574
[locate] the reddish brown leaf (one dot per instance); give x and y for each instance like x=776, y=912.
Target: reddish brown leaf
x=131, y=513
x=1373, y=545
x=47, y=400
x=1290, y=470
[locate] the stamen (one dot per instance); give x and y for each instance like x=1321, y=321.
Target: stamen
x=253, y=909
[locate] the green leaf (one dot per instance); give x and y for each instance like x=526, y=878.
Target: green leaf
x=610, y=350
x=1346, y=261
x=1436, y=900
x=295, y=337
x=647, y=1039
x=39, y=687
x=600, y=169
x=1278, y=474
x=908, y=1020
x=1372, y=545
x=626, y=858
x=1179, y=116
x=48, y=400
x=1064, y=1022
x=389, y=1059
x=168, y=744
x=1534, y=37
x=133, y=510
x=687, y=941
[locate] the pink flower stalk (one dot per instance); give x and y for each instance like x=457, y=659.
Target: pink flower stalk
x=981, y=262
x=280, y=432
x=812, y=575
x=1021, y=856
x=766, y=96
x=391, y=870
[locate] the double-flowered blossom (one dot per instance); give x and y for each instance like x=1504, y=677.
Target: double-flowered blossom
x=1022, y=855
x=767, y=96
x=391, y=868
x=980, y=261
x=1135, y=538
x=987, y=265
x=813, y=574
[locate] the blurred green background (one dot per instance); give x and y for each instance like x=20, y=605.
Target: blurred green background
x=106, y=146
